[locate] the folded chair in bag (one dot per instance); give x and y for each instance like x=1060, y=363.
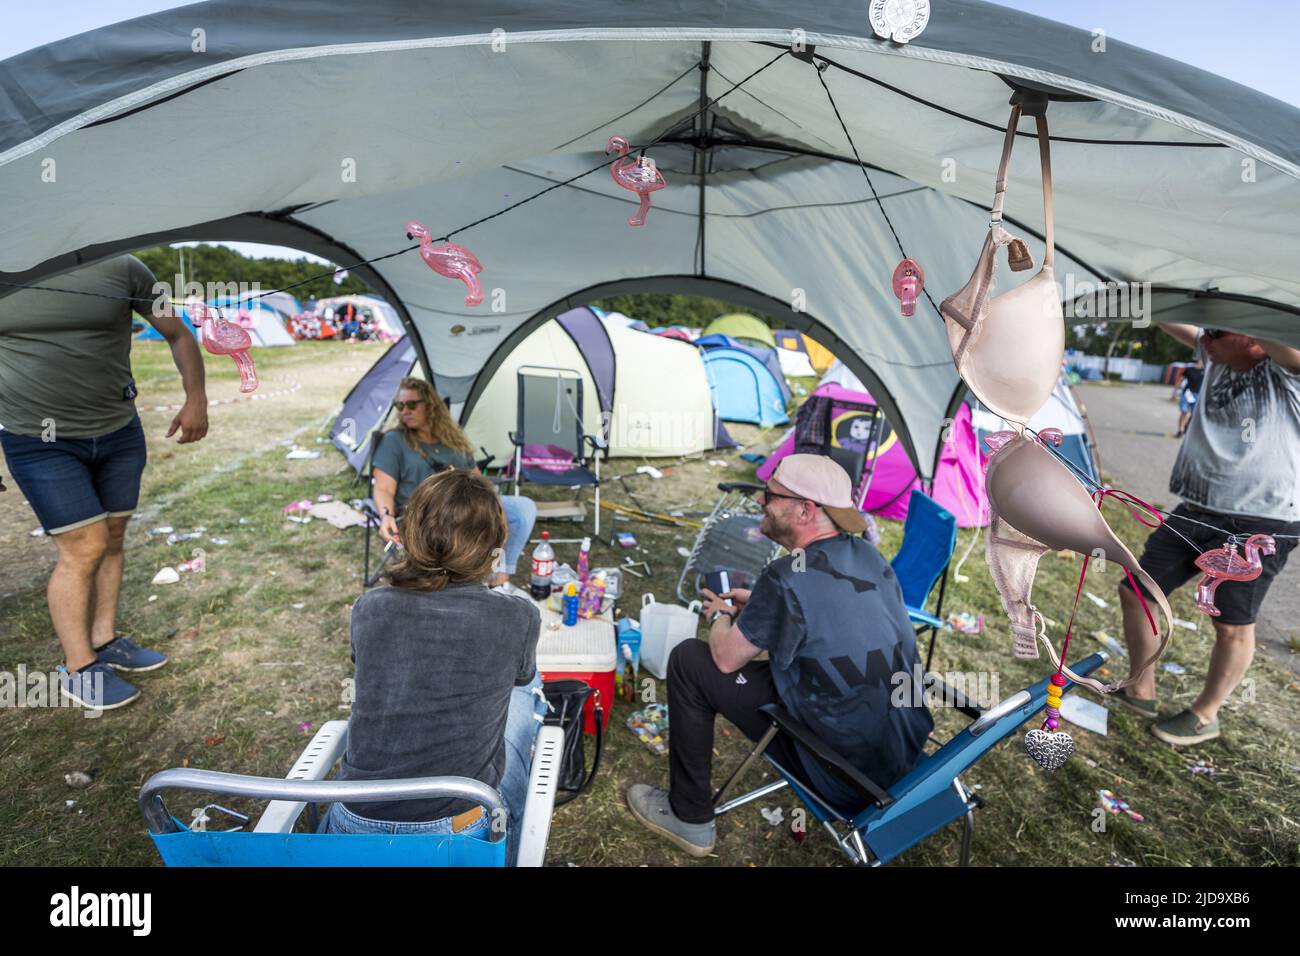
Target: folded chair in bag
x=272, y=841
x=550, y=445
x=885, y=823
x=729, y=541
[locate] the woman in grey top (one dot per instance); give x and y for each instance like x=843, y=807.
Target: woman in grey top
x=446, y=679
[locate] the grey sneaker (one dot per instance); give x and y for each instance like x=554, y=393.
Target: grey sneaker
x=1143, y=708
x=650, y=806
x=124, y=654
x=1184, y=729
x=96, y=686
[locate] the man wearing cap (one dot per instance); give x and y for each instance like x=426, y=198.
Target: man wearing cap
x=830, y=616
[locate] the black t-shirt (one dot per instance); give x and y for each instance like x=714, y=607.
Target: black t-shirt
x=1192, y=379
x=434, y=674
x=843, y=657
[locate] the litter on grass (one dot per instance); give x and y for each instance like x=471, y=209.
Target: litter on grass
x=966, y=622
x=1100, y=602
x=301, y=454
x=1109, y=802
x=1173, y=668
x=1085, y=713
x=166, y=576
x=773, y=816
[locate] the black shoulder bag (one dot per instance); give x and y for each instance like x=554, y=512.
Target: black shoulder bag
x=565, y=700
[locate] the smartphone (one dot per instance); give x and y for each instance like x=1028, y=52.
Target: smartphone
x=719, y=582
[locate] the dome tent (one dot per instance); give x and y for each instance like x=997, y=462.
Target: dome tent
x=1147, y=160
x=747, y=328
x=743, y=388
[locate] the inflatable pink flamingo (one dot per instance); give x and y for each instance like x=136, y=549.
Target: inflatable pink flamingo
x=1225, y=564
x=450, y=260
x=639, y=175
x=226, y=338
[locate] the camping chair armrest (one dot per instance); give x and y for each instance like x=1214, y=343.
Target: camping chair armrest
x=516, y=438
x=309, y=791
x=728, y=486
x=925, y=617
x=951, y=697
x=822, y=751
x=543, y=781
x=314, y=763
x=597, y=443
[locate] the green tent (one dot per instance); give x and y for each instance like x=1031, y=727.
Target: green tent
x=740, y=325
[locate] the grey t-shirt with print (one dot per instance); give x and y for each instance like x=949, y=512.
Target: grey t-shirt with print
x=1241, y=453
x=840, y=643
x=65, y=358
x=434, y=674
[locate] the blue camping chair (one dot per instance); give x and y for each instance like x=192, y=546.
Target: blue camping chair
x=272, y=841
x=925, y=800
x=929, y=537
x=550, y=416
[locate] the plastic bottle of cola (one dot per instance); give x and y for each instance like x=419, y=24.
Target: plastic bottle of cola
x=543, y=568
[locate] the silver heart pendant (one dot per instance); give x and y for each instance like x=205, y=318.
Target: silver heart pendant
x=1049, y=750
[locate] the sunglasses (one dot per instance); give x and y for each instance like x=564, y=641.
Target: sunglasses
x=1213, y=333
x=412, y=405
x=763, y=495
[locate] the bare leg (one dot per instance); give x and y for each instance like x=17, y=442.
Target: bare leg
x=71, y=590
x=1234, y=649
x=108, y=583
x=1141, y=645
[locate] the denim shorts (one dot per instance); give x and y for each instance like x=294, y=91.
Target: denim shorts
x=73, y=482
x=340, y=819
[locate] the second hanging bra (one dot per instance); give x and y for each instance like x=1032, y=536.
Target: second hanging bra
x=1009, y=348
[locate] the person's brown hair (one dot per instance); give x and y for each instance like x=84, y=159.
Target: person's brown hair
x=453, y=529
x=436, y=418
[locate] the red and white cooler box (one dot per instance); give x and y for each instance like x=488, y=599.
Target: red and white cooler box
x=586, y=652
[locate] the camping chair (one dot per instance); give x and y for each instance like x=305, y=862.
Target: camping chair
x=273, y=842
x=814, y=434
x=924, y=801
x=929, y=537
x=550, y=445
x=729, y=541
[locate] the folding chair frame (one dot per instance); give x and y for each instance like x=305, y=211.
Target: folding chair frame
x=599, y=446
x=734, y=498
x=847, y=835
x=306, y=786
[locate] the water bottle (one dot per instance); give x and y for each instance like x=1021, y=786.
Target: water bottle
x=543, y=568
x=570, y=604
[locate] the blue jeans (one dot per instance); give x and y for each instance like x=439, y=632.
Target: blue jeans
x=522, y=721
x=521, y=515
x=73, y=482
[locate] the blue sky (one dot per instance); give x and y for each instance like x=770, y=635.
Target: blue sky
x=1256, y=49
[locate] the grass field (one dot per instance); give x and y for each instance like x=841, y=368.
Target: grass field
x=248, y=668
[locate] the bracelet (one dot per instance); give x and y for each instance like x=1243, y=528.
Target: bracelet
x=722, y=612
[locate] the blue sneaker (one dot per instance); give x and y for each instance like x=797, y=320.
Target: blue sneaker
x=124, y=654
x=96, y=686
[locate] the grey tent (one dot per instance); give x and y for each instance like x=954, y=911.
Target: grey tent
x=456, y=112
x=367, y=405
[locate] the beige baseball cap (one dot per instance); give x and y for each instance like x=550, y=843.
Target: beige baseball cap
x=821, y=480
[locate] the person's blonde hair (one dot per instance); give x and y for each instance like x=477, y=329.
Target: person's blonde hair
x=453, y=529
x=437, y=419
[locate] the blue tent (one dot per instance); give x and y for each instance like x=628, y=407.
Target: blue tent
x=150, y=334
x=744, y=389
x=767, y=356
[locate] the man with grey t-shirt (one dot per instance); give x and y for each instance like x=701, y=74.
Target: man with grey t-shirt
x=1238, y=474
x=75, y=448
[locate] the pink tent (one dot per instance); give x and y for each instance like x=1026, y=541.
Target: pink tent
x=958, y=482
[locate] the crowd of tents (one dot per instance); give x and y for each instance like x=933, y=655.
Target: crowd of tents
x=278, y=319
x=669, y=392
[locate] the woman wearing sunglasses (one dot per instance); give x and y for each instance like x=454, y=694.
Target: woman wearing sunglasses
x=426, y=441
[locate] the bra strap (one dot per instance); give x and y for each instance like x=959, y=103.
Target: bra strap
x=1045, y=159
x=1000, y=236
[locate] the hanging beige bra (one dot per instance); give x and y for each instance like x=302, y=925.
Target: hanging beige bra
x=1009, y=349
x=1036, y=505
